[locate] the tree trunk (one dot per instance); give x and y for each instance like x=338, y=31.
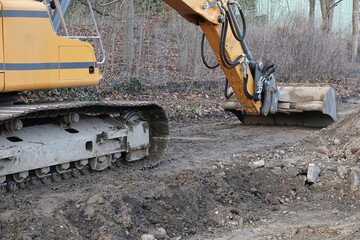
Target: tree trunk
x=323, y=13
x=128, y=46
x=330, y=12
x=312, y=12
x=327, y=12
x=355, y=35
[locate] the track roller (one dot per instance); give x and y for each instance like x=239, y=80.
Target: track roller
x=41, y=172
x=61, y=168
x=71, y=118
x=81, y=164
x=19, y=177
x=14, y=125
x=100, y=163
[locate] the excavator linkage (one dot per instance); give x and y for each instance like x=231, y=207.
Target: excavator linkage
x=256, y=97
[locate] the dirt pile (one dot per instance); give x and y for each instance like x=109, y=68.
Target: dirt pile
x=336, y=151
x=339, y=142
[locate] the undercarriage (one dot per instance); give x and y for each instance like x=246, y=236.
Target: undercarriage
x=49, y=139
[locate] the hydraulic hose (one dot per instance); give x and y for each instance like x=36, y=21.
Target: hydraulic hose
x=247, y=94
x=224, y=59
x=231, y=19
x=234, y=24
x=236, y=30
x=203, y=55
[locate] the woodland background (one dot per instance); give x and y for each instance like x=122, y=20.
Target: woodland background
x=154, y=54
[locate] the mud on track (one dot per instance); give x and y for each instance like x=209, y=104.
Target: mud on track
x=203, y=188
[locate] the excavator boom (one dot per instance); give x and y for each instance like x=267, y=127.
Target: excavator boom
x=257, y=98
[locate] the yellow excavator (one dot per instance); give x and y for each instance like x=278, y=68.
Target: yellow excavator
x=46, y=141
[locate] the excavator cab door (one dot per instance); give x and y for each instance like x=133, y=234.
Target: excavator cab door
x=2, y=65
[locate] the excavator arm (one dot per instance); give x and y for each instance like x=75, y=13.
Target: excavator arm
x=215, y=18
x=257, y=98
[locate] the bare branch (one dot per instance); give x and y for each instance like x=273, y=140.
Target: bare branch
x=333, y=6
x=84, y=2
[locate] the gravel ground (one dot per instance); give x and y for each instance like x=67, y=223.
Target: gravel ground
x=218, y=180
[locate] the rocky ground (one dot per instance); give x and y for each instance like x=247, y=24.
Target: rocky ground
x=218, y=180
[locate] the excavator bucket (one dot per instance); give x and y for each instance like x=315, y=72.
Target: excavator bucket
x=299, y=105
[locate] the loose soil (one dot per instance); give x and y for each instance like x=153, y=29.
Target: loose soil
x=204, y=188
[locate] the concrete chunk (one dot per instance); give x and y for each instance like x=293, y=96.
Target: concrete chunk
x=147, y=237
x=355, y=179
x=257, y=164
x=313, y=172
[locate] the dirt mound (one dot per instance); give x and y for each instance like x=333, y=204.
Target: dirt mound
x=339, y=142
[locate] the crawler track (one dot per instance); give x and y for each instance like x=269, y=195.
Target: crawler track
x=33, y=114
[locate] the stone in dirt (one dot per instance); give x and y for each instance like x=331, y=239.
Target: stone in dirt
x=257, y=164
x=323, y=150
x=332, y=149
x=355, y=179
x=313, y=173
x=343, y=171
x=123, y=219
x=273, y=200
x=337, y=141
x=147, y=237
x=160, y=233
x=96, y=199
x=89, y=211
x=357, y=155
x=91, y=205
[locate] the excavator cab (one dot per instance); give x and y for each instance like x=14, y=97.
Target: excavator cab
x=35, y=53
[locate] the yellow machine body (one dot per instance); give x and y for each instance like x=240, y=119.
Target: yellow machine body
x=33, y=57
x=194, y=12
x=240, y=104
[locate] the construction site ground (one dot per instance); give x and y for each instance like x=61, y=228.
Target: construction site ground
x=219, y=179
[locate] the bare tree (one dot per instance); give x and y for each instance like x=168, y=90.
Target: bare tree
x=128, y=46
x=327, y=12
x=355, y=35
